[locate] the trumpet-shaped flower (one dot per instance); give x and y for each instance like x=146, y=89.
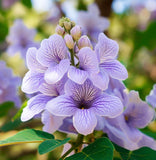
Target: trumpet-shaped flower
x=84, y=103
x=123, y=130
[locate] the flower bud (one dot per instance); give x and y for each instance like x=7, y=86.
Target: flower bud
x=76, y=32
x=67, y=25
x=59, y=30
x=84, y=42
x=69, y=41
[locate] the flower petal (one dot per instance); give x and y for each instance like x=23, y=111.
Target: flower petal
x=67, y=126
x=127, y=137
x=61, y=106
x=146, y=141
x=55, y=73
x=84, y=121
x=151, y=98
x=32, y=62
x=52, y=50
x=38, y=102
x=51, y=122
x=106, y=49
x=27, y=114
x=35, y=106
x=100, y=80
x=48, y=89
x=88, y=60
x=138, y=113
x=115, y=69
x=31, y=82
x=93, y=8
x=107, y=105
x=86, y=92
x=121, y=134
x=100, y=123
x=77, y=75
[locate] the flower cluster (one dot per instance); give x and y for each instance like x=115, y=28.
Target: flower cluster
x=8, y=85
x=20, y=38
x=78, y=88
x=124, y=129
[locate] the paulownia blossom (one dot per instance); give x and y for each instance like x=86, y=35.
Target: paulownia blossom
x=123, y=130
x=84, y=102
x=20, y=38
x=151, y=98
x=8, y=85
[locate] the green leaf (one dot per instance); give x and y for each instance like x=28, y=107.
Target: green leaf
x=50, y=145
x=5, y=107
x=18, y=114
x=27, y=136
x=3, y=30
x=145, y=38
x=81, y=5
x=27, y=3
x=101, y=149
x=143, y=153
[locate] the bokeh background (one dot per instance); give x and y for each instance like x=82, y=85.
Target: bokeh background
x=132, y=25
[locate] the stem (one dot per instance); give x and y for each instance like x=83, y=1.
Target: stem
x=72, y=57
x=78, y=142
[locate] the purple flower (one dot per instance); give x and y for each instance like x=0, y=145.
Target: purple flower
x=67, y=126
x=8, y=3
x=37, y=103
x=151, y=98
x=91, y=22
x=51, y=122
x=53, y=54
x=123, y=130
x=35, y=76
x=66, y=83
x=8, y=85
x=20, y=38
x=117, y=88
x=88, y=64
x=84, y=103
x=107, y=51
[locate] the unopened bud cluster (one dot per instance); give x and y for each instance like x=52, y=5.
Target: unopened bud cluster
x=66, y=23
x=72, y=34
